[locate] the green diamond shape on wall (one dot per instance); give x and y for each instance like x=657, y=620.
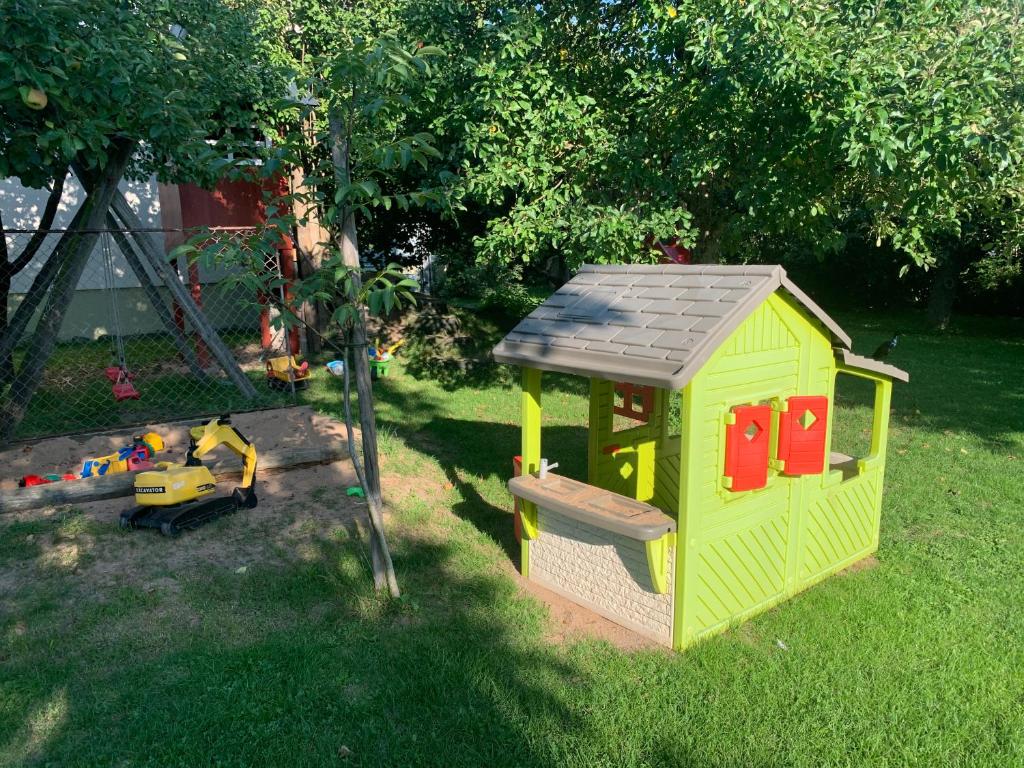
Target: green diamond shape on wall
x=807, y=419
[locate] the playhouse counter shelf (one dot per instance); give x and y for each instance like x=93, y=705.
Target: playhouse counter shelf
x=601, y=549
x=596, y=506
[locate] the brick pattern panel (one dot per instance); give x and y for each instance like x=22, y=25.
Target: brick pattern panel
x=602, y=571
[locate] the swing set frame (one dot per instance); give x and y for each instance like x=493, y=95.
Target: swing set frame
x=155, y=275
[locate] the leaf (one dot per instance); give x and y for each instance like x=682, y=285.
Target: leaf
x=369, y=187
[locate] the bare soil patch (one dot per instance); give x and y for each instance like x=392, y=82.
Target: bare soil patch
x=569, y=622
x=866, y=564
x=84, y=547
x=300, y=509
x=280, y=428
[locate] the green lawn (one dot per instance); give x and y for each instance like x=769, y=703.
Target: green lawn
x=916, y=661
x=75, y=396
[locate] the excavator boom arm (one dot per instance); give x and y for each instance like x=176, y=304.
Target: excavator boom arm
x=218, y=432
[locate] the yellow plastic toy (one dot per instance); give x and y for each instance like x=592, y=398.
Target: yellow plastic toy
x=169, y=496
x=283, y=371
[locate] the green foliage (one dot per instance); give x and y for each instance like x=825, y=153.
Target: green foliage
x=513, y=300
x=184, y=79
x=451, y=346
x=742, y=128
x=349, y=165
x=365, y=88
x=572, y=166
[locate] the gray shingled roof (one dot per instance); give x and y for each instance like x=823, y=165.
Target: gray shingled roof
x=647, y=324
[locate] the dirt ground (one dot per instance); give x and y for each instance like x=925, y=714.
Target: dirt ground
x=297, y=510
x=569, y=622
x=269, y=430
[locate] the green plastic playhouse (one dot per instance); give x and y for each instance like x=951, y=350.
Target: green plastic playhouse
x=712, y=492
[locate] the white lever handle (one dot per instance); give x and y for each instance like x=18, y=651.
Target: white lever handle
x=544, y=467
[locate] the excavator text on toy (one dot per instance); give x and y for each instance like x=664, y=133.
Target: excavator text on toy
x=171, y=496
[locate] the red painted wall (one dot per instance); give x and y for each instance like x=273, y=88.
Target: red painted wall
x=230, y=204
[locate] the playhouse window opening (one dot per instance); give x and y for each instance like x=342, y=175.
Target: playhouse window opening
x=632, y=406
x=852, y=422
x=673, y=415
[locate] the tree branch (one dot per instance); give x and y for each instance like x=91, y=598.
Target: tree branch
x=49, y=212
x=3, y=240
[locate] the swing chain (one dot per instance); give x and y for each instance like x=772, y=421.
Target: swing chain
x=109, y=276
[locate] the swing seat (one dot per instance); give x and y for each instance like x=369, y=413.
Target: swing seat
x=125, y=390
x=115, y=373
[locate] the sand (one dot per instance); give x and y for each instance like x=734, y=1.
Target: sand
x=280, y=428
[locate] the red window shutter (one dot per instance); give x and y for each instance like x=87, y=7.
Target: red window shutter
x=802, y=435
x=746, y=447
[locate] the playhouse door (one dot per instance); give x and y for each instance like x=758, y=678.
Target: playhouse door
x=630, y=471
x=621, y=478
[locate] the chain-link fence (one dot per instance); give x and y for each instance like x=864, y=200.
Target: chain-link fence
x=139, y=339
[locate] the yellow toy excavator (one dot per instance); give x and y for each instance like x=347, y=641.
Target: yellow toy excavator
x=169, y=497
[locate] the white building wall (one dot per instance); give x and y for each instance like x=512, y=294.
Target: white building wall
x=22, y=208
x=90, y=314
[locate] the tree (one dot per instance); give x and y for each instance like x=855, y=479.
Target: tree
x=741, y=127
x=364, y=101
x=115, y=89
x=352, y=156
x=898, y=122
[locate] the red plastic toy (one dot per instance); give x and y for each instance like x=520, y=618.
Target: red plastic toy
x=123, y=388
x=802, y=435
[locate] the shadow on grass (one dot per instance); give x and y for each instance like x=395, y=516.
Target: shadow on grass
x=294, y=665
x=476, y=456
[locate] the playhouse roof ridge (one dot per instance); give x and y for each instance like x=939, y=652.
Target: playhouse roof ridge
x=654, y=324
x=686, y=269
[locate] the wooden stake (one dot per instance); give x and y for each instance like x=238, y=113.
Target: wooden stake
x=380, y=555
x=349, y=245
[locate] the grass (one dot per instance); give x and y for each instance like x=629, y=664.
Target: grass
x=916, y=661
x=75, y=396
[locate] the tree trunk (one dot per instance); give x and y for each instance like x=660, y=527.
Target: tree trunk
x=16, y=325
x=348, y=242
x=7, y=360
x=943, y=292
x=309, y=244
x=45, y=336
x=709, y=244
x=8, y=268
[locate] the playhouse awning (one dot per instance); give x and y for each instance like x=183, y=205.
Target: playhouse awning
x=648, y=324
x=877, y=367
